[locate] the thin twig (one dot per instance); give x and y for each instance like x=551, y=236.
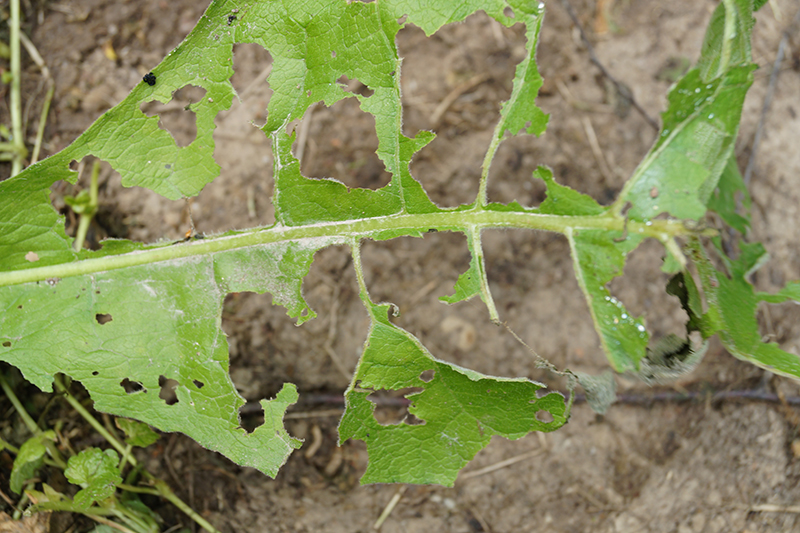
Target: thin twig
x=445, y=104
x=302, y=135
x=48, y=99
x=773, y=82
x=621, y=88
x=596, y=151
x=772, y=508
x=500, y=464
x=390, y=507
x=337, y=361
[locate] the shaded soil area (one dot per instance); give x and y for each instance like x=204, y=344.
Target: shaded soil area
x=702, y=466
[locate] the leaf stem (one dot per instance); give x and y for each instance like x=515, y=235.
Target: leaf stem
x=340, y=233
x=23, y=414
x=48, y=99
x=88, y=211
x=727, y=37
x=19, y=150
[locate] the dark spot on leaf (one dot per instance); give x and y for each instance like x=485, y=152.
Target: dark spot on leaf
x=95, y=373
x=131, y=386
x=427, y=375
x=6, y=344
x=198, y=384
x=231, y=19
x=149, y=79
x=103, y=318
x=19, y=307
x=167, y=392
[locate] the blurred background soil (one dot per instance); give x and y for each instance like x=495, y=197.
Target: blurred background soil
x=698, y=466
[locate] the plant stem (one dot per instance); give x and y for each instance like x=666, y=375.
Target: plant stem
x=88, y=210
x=727, y=37
x=23, y=414
x=43, y=122
x=330, y=233
x=166, y=492
x=19, y=150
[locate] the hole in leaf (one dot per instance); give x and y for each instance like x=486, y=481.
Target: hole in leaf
x=345, y=154
x=176, y=117
x=402, y=20
x=541, y=393
x=354, y=86
x=391, y=406
x=508, y=12
x=197, y=383
x=544, y=416
x=251, y=416
x=412, y=420
x=167, y=392
x=103, y=318
x=333, y=53
x=427, y=376
x=252, y=63
x=131, y=387
x=95, y=373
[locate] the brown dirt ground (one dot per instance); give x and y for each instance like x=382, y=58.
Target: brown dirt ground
x=661, y=467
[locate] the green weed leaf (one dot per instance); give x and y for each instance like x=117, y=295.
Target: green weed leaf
x=459, y=410
x=137, y=433
x=731, y=198
x=97, y=471
x=597, y=260
x=29, y=460
x=732, y=305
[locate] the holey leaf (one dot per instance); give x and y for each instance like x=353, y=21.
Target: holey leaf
x=139, y=325
x=700, y=125
x=132, y=321
x=458, y=410
x=124, y=332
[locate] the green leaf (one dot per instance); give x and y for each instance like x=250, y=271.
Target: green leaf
x=474, y=280
x=681, y=171
x=732, y=306
x=724, y=199
x=137, y=433
x=562, y=200
x=597, y=258
x=700, y=125
x=138, y=326
x=97, y=471
x=713, y=60
x=460, y=409
x=29, y=460
x=520, y=112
